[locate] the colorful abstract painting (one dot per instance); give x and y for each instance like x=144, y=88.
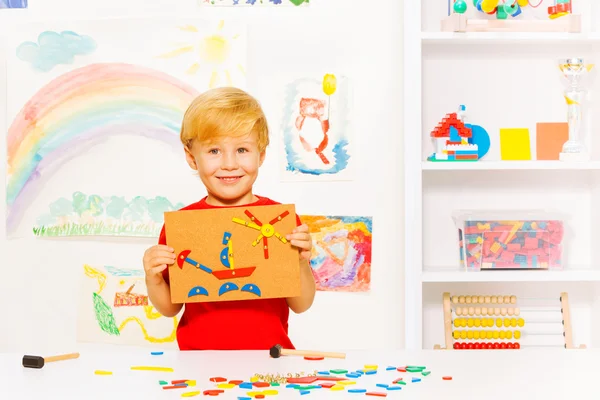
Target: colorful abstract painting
x=256, y=3
x=114, y=308
x=13, y=4
x=87, y=97
x=317, y=135
x=83, y=215
x=341, y=258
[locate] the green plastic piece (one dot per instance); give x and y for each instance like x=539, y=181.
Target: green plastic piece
x=401, y=383
x=307, y=387
x=274, y=383
x=501, y=13
x=425, y=373
x=338, y=371
x=163, y=382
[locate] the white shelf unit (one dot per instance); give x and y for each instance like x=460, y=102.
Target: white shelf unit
x=505, y=80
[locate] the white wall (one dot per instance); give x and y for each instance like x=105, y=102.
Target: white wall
x=39, y=280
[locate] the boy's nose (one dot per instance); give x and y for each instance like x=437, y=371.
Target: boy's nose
x=229, y=162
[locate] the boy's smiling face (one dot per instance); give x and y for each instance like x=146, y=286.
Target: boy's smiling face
x=228, y=167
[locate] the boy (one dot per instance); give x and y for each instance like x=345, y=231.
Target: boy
x=225, y=134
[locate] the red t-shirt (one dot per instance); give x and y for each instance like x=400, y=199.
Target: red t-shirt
x=232, y=325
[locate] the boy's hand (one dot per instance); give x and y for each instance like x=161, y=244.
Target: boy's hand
x=301, y=239
x=156, y=259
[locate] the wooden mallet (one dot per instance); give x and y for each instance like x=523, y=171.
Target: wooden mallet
x=39, y=362
x=278, y=351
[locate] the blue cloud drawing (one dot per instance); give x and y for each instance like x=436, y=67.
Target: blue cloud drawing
x=13, y=3
x=55, y=48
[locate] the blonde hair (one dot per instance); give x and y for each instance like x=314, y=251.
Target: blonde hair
x=224, y=112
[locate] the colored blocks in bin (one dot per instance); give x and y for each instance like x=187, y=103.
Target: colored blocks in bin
x=511, y=244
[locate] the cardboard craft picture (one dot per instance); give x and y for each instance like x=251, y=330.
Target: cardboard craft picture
x=238, y=253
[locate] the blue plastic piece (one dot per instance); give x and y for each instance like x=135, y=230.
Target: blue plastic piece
x=245, y=385
x=198, y=265
x=227, y=287
x=353, y=375
x=251, y=288
x=390, y=368
x=291, y=385
x=518, y=11
x=481, y=138
x=157, y=353
x=394, y=387
x=197, y=291
x=226, y=237
x=383, y=385
x=371, y=372
x=303, y=392
x=244, y=398
x=416, y=379
x=225, y=257
x=324, y=373
x=357, y=390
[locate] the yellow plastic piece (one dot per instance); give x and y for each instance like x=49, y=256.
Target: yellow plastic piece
x=225, y=385
x=523, y=3
x=370, y=366
x=346, y=383
x=509, y=334
x=488, y=6
x=456, y=322
x=149, y=368
x=270, y=392
x=190, y=394
x=496, y=334
x=99, y=372
x=469, y=334
x=499, y=322
x=254, y=379
x=506, y=322
x=517, y=334
x=337, y=387
x=191, y=382
x=463, y=334
x=502, y=334
x=477, y=323
x=470, y=322
x=252, y=394
x=456, y=334
x=489, y=334
x=475, y=334
x=521, y=322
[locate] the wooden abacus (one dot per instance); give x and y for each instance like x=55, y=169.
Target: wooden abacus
x=484, y=307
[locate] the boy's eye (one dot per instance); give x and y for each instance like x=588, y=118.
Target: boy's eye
x=242, y=150
x=213, y=151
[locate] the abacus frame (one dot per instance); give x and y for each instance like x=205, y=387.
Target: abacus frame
x=564, y=309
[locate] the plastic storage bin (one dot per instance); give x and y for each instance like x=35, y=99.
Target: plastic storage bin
x=493, y=240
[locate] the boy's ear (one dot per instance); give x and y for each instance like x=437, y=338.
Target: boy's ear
x=191, y=160
x=262, y=157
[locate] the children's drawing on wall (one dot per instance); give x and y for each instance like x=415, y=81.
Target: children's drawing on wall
x=13, y=4
x=218, y=57
x=83, y=215
x=316, y=129
x=113, y=308
x=341, y=258
x=257, y=3
x=95, y=106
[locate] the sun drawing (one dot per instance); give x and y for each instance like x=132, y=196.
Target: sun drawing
x=220, y=54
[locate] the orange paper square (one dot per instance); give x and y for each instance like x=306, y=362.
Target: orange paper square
x=550, y=137
x=219, y=259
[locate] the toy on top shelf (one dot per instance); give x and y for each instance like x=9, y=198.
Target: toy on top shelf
x=453, y=140
x=458, y=21
x=483, y=307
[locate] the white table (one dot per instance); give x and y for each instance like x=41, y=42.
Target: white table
x=500, y=374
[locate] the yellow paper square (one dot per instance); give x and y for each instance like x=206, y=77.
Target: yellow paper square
x=515, y=144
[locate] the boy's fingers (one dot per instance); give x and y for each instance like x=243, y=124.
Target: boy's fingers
x=160, y=261
x=158, y=270
x=164, y=247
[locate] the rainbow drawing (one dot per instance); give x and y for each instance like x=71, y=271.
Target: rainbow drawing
x=81, y=107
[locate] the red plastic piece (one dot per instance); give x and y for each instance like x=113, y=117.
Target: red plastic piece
x=327, y=385
x=259, y=396
x=236, y=382
x=261, y=384
x=175, y=387
x=213, y=392
x=401, y=369
x=304, y=379
x=517, y=346
x=314, y=358
x=447, y=378
x=234, y=273
x=397, y=380
x=330, y=378
x=218, y=379
x=179, y=381
x=181, y=257
x=380, y=394
x=451, y=120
